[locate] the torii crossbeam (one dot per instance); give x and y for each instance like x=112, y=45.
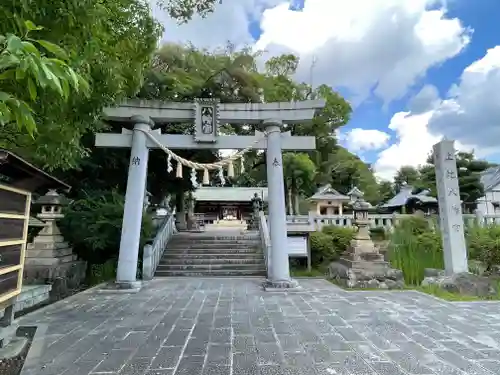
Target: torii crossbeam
x=207, y=114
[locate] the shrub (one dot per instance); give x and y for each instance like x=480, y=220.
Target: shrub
x=92, y=224
x=378, y=233
x=327, y=245
x=412, y=250
x=341, y=237
x=415, y=225
x=99, y=273
x=321, y=247
x=484, y=244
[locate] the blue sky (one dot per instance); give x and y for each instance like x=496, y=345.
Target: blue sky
x=381, y=54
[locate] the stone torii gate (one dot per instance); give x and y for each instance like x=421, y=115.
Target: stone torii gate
x=206, y=114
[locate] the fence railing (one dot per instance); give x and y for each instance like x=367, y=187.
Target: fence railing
x=266, y=240
x=388, y=221
x=153, y=252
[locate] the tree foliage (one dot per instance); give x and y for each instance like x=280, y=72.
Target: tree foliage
x=108, y=43
x=468, y=173
x=30, y=65
x=184, y=10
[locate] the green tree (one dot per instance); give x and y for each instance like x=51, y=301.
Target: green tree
x=347, y=171
x=406, y=175
x=469, y=177
x=299, y=171
x=32, y=65
x=184, y=10
x=385, y=191
x=109, y=43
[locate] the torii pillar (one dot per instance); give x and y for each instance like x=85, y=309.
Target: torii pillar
x=271, y=116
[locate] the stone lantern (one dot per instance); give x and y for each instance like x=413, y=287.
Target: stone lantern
x=361, y=209
x=48, y=247
x=50, y=259
x=361, y=265
x=51, y=206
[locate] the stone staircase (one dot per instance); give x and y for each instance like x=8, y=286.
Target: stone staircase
x=215, y=254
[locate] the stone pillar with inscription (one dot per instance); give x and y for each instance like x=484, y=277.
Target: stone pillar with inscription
x=126, y=276
x=280, y=276
x=450, y=209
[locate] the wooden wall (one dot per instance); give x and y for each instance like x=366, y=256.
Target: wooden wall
x=14, y=218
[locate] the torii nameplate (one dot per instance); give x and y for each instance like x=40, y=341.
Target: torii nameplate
x=206, y=120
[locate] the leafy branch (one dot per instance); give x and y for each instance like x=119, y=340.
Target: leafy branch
x=26, y=65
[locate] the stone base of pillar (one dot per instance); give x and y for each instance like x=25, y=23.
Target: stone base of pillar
x=281, y=286
x=122, y=287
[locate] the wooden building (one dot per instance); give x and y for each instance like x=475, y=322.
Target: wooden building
x=212, y=204
x=18, y=180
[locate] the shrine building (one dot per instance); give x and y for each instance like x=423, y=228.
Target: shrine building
x=214, y=204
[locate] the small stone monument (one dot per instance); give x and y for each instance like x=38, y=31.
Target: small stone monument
x=49, y=259
x=361, y=265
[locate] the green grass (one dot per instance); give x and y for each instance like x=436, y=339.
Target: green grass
x=432, y=290
x=305, y=273
x=413, y=253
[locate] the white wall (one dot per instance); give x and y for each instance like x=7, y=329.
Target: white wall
x=485, y=205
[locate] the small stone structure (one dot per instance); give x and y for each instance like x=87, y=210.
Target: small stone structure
x=49, y=259
x=463, y=283
x=361, y=265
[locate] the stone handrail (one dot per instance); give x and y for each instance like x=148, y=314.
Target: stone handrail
x=153, y=253
x=315, y=222
x=266, y=240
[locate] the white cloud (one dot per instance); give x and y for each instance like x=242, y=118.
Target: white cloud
x=413, y=145
x=361, y=44
x=470, y=115
x=359, y=140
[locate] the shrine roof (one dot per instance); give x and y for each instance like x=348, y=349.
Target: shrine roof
x=490, y=178
x=19, y=173
x=326, y=192
x=229, y=194
x=406, y=194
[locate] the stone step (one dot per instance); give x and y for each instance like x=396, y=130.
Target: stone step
x=215, y=239
x=211, y=251
x=204, y=260
x=215, y=243
x=213, y=273
x=213, y=256
x=228, y=247
x=210, y=267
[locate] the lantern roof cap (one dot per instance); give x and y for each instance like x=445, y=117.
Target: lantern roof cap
x=52, y=198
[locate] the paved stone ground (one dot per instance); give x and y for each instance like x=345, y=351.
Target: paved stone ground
x=231, y=327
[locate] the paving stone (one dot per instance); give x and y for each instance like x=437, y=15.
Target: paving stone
x=221, y=336
x=386, y=368
x=289, y=343
x=136, y=366
x=216, y=322
x=160, y=372
x=114, y=362
x=408, y=362
x=177, y=337
x=216, y=370
x=219, y=355
x=244, y=364
x=269, y=354
x=167, y=357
